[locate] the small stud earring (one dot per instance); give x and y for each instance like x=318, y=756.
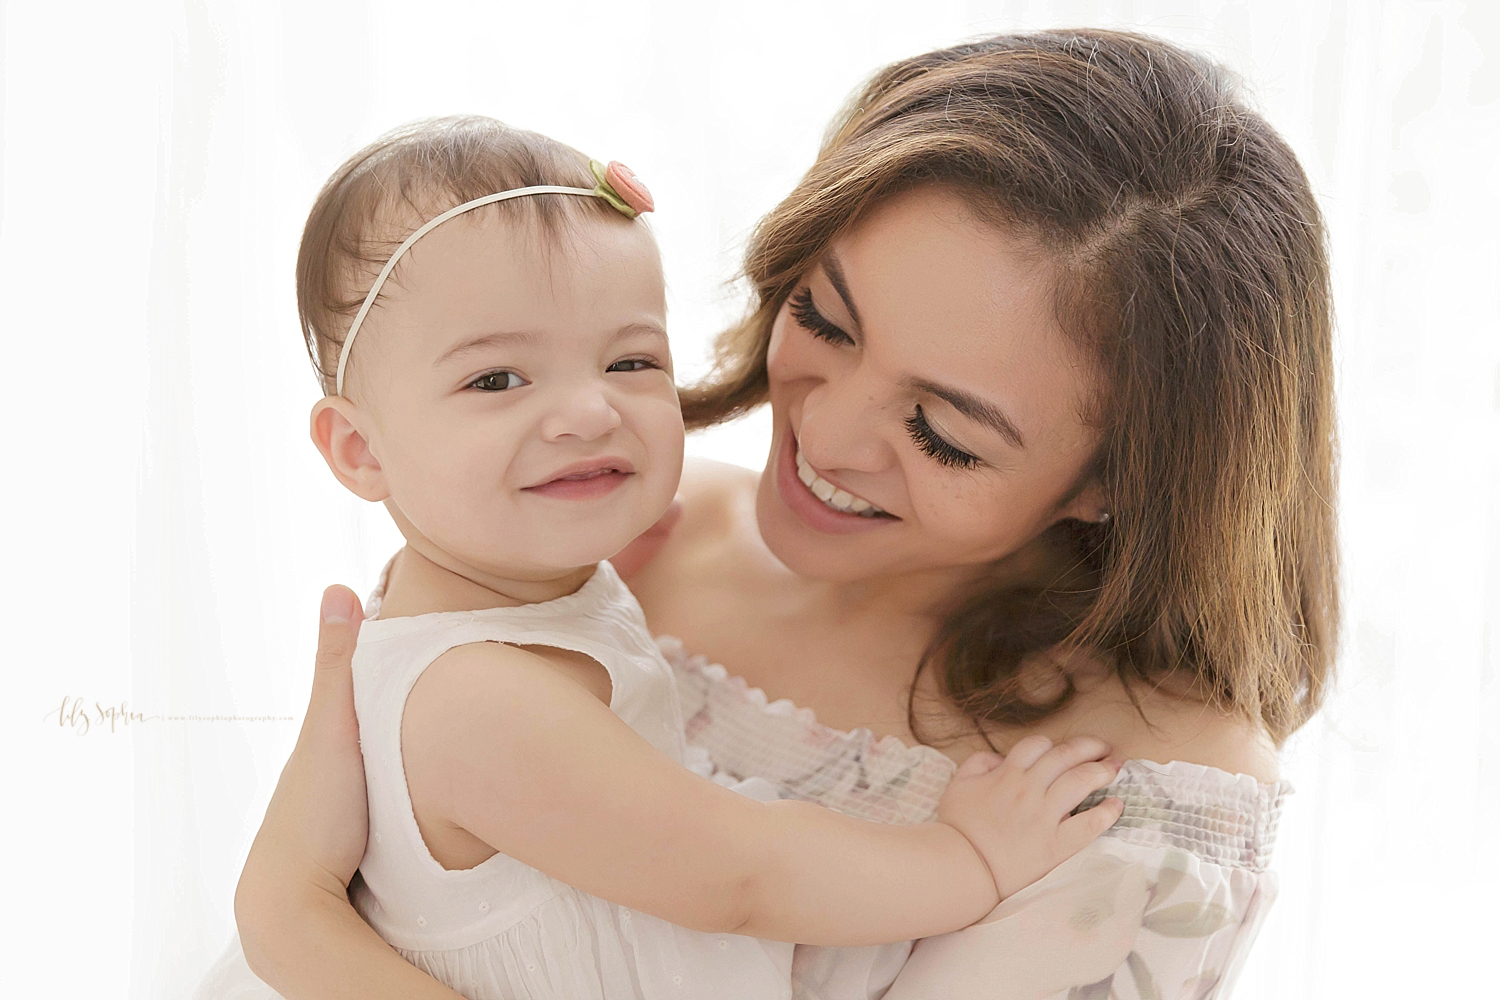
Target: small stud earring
x=1103, y=517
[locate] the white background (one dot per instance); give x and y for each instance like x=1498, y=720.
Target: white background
x=170, y=528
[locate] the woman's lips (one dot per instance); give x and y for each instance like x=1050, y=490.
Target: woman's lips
x=812, y=511
x=584, y=480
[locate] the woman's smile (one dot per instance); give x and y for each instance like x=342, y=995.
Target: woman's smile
x=835, y=514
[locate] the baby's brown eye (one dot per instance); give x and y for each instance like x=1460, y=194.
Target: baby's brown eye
x=497, y=382
x=633, y=365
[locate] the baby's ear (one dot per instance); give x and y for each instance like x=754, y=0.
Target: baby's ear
x=335, y=429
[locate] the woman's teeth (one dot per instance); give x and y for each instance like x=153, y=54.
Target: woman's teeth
x=830, y=494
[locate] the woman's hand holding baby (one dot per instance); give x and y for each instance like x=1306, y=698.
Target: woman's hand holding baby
x=298, y=931
x=1015, y=810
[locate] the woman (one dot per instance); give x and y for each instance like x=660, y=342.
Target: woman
x=1045, y=332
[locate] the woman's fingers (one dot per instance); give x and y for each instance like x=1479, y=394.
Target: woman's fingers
x=316, y=823
x=319, y=808
x=333, y=678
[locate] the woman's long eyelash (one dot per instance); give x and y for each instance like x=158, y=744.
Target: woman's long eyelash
x=815, y=322
x=930, y=442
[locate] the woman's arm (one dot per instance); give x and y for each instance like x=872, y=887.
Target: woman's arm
x=298, y=930
x=502, y=743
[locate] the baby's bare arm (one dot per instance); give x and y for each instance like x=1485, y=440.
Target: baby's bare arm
x=499, y=743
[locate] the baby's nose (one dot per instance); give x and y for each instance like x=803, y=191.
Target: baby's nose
x=583, y=412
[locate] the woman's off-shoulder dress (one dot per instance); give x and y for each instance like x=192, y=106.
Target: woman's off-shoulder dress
x=1163, y=906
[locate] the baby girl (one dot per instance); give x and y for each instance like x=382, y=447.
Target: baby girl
x=488, y=314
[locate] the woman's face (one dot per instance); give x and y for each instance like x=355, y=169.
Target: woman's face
x=926, y=403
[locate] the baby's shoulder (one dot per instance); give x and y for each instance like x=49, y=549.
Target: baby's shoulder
x=481, y=678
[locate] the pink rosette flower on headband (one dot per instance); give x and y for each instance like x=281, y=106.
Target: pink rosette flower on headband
x=619, y=186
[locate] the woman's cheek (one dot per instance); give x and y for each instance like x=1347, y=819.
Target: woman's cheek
x=785, y=355
x=965, y=518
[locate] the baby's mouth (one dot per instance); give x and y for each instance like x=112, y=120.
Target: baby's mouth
x=832, y=496
x=586, y=479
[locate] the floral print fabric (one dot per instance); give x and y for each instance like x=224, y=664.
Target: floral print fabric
x=1164, y=906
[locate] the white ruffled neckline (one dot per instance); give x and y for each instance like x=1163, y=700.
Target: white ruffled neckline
x=1199, y=774
x=672, y=648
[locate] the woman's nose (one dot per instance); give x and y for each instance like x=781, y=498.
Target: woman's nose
x=840, y=427
x=583, y=412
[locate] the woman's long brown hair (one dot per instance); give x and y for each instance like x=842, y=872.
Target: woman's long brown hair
x=1190, y=261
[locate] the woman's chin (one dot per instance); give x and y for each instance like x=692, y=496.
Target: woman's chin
x=814, y=554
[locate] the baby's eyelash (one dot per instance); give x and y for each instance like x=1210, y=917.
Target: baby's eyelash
x=813, y=321
x=485, y=382
x=933, y=444
x=645, y=363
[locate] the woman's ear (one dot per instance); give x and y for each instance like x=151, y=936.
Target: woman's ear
x=1087, y=505
x=335, y=428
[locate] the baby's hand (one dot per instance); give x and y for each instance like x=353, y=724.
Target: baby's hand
x=1014, y=809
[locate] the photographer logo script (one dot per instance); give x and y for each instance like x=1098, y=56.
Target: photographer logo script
x=84, y=717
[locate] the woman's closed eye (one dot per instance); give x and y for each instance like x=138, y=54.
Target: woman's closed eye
x=813, y=321
x=934, y=444
x=498, y=381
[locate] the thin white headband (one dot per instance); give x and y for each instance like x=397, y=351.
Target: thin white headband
x=429, y=226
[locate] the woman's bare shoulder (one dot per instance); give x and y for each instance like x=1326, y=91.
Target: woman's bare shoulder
x=715, y=497
x=1158, y=726
x=1208, y=736
x=1167, y=728
x=709, y=483
x=716, y=500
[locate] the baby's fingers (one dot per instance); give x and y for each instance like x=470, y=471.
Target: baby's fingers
x=1066, y=756
x=1027, y=751
x=1064, y=794
x=1077, y=832
x=981, y=762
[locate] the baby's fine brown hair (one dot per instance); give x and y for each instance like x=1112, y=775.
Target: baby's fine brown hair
x=382, y=193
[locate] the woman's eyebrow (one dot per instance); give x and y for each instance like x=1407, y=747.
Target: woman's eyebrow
x=835, y=272
x=972, y=407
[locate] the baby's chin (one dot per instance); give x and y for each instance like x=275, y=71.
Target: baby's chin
x=575, y=550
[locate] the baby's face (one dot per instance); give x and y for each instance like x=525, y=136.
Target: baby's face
x=518, y=396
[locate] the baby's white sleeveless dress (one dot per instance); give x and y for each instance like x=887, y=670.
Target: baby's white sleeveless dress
x=503, y=930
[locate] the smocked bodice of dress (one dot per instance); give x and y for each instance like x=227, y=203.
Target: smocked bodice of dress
x=1165, y=904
